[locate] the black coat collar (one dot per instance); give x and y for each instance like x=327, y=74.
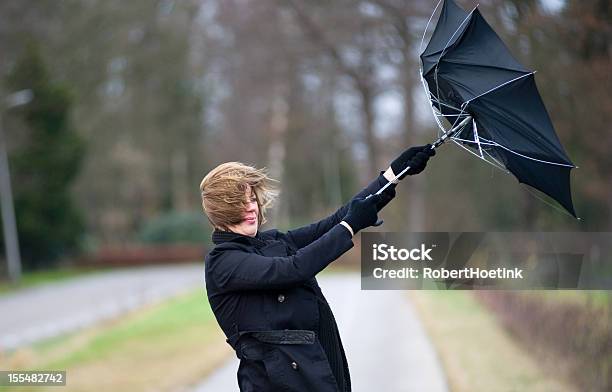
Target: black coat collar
x=219, y=237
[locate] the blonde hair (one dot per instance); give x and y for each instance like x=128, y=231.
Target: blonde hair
x=223, y=192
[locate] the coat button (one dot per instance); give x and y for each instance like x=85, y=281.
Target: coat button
x=281, y=298
x=294, y=365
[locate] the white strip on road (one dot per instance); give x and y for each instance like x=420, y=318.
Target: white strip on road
x=385, y=343
x=35, y=314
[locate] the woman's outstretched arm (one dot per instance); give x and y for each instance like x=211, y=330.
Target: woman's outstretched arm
x=305, y=235
x=241, y=269
x=415, y=157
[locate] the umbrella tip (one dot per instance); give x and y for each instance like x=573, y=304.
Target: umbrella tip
x=576, y=167
x=579, y=218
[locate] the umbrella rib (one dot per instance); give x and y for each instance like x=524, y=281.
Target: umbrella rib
x=429, y=95
x=444, y=104
x=437, y=112
x=425, y=86
x=499, y=86
x=424, y=82
x=447, y=115
x=479, y=157
x=446, y=46
x=437, y=86
x=452, y=36
x=446, y=60
x=476, y=138
x=427, y=26
x=526, y=156
x=534, y=194
x=499, y=164
x=458, y=116
x=473, y=142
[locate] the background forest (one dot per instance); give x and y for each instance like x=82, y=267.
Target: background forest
x=135, y=101
x=130, y=103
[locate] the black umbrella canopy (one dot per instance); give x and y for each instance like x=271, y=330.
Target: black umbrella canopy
x=470, y=72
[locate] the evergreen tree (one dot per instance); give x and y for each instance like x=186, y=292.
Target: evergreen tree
x=44, y=163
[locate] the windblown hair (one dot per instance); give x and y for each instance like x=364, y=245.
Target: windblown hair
x=224, y=189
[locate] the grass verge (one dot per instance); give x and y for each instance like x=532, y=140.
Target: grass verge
x=476, y=352
x=594, y=299
x=162, y=347
x=35, y=278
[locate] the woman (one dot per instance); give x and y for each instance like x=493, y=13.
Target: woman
x=261, y=285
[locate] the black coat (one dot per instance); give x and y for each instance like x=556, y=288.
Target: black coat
x=265, y=296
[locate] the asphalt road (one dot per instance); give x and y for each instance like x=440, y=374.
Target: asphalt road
x=49, y=310
x=386, y=345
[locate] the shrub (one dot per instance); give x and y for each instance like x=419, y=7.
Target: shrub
x=176, y=227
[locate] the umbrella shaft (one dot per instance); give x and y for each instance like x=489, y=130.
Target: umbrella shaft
x=434, y=145
x=398, y=175
x=455, y=130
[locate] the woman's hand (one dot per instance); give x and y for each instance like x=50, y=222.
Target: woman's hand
x=385, y=197
x=415, y=157
x=362, y=213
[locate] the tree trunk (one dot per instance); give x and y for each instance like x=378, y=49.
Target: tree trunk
x=276, y=148
x=368, y=126
x=416, y=214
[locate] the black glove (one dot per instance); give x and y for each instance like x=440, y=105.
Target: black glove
x=385, y=197
x=415, y=157
x=362, y=213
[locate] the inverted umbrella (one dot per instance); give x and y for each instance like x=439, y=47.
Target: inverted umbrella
x=492, y=103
